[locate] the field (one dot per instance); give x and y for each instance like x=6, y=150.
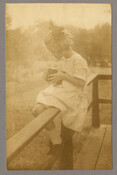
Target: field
x=19, y=103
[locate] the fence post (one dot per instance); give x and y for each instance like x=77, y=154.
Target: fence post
x=95, y=105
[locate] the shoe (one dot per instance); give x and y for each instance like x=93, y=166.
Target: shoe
x=54, y=149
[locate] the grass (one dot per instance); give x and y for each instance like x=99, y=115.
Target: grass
x=20, y=100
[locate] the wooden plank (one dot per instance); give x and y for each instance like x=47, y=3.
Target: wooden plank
x=26, y=134
x=88, y=156
x=105, y=77
x=105, y=158
x=105, y=101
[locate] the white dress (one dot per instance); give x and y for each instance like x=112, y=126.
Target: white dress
x=70, y=99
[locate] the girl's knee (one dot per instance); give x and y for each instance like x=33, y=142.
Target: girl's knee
x=38, y=109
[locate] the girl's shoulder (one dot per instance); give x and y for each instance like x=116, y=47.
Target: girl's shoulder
x=78, y=59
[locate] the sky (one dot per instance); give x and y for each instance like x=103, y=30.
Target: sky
x=80, y=15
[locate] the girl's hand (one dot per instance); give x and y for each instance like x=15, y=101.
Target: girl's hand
x=57, y=77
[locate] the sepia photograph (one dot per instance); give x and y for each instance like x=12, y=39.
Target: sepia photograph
x=58, y=86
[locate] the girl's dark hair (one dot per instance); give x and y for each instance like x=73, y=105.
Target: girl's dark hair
x=58, y=38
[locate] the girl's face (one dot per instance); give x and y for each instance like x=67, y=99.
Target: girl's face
x=57, y=53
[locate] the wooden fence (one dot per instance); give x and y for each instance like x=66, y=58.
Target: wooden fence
x=23, y=137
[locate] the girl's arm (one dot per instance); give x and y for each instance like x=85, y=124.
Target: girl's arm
x=59, y=76
x=73, y=80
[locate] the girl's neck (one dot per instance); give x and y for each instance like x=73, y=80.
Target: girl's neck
x=68, y=53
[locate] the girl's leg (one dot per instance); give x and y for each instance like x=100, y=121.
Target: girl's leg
x=54, y=133
x=38, y=109
x=67, y=148
x=51, y=128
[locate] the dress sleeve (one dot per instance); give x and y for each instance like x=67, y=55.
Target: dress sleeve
x=80, y=69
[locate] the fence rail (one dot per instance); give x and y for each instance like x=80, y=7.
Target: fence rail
x=26, y=134
x=95, y=99
x=18, y=141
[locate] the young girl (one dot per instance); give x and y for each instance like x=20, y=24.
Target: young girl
x=67, y=89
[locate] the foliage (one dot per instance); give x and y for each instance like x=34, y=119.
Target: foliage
x=25, y=48
x=94, y=44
